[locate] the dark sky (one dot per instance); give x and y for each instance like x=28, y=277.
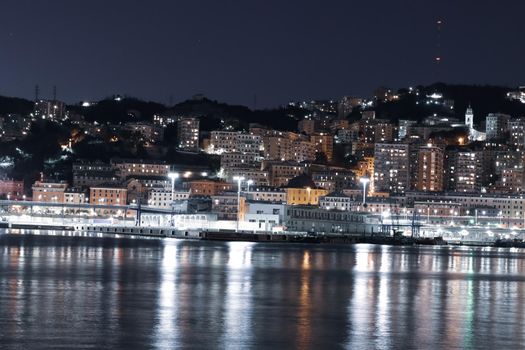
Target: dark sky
x=230, y=50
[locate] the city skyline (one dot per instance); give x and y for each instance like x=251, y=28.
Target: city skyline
x=256, y=53
x=262, y=174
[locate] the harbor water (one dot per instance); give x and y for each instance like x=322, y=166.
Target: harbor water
x=97, y=292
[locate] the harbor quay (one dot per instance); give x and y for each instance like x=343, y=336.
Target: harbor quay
x=295, y=221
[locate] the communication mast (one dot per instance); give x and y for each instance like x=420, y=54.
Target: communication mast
x=438, y=57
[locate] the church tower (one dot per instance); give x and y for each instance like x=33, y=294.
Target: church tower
x=469, y=118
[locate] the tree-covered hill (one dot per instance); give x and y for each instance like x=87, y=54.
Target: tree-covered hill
x=15, y=105
x=484, y=99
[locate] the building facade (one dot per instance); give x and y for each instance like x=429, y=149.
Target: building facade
x=188, y=134
x=51, y=192
x=12, y=188
x=266, y=194
x=430, y=169
x=207, y=188
x=226, y=207
x=324, y=143
x=139, y=167
x=107, y=195
x=391, y=167
x=497, y=126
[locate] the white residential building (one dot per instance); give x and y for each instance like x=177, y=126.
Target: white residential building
x=161, y=198
x=336, y=201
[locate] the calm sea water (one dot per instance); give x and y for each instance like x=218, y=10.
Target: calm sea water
x=103, y=292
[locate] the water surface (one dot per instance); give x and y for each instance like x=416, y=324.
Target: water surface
x=103, y=292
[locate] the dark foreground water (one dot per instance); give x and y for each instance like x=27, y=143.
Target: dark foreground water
x=100, y=293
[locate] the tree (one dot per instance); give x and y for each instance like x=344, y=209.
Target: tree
x=321, y=158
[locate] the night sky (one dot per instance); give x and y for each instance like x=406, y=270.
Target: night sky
x=231, y=50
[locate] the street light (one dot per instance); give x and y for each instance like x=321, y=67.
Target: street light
x=249, y=182
x=173, y=177
x=239, y=179
x=364, y=180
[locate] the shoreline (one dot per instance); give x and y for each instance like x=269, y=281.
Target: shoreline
x=232, y=236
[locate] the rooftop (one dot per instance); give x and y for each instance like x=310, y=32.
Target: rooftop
x=301, y=181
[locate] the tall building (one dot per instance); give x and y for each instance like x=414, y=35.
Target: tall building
x=376, y=130
x=248, y=143
x=306, y=126
x=463, y=170
x=403, y=126
x=517, y=133
x=497, y=125
x=324, y=143
x=512, y=180
x=279, y=173
x=430, y=169
x=506, y=159
x=302, y=151
x=188, y=134
x=383, y=131
x=52, y=110
x=288, y=146
x=235, y=141
x=222, y=141
x=237, y=159
x=391, y=167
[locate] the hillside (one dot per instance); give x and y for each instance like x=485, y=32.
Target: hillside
x=123, y=110
x=215, y=114
x=15, y=105
x=484, y=99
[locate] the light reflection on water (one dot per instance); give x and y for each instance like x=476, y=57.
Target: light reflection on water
x=102, y=292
